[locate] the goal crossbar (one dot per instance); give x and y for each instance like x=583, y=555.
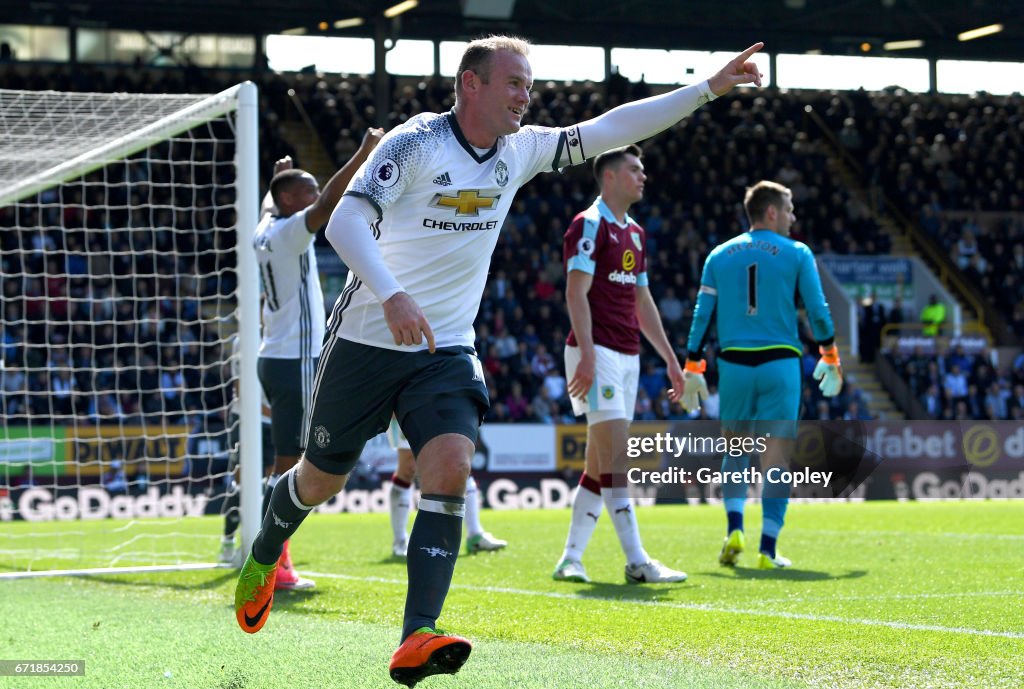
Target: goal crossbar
x=14, y=186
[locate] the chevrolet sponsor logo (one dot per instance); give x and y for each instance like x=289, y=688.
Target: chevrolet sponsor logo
x=465, y=202
x=452, y=226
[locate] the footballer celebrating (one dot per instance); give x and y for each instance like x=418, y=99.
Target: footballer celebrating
x=417, y=227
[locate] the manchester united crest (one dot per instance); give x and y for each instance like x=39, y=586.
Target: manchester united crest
x=322, y=437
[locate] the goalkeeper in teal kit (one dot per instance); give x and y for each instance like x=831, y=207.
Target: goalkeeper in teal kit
x=751, y=284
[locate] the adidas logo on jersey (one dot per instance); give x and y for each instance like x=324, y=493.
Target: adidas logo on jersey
x=622, y=277
x=444, y=180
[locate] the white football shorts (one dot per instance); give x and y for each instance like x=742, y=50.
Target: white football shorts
x=613, y=393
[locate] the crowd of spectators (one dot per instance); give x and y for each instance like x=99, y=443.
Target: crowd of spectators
x=962, y=386
x=109, y=314
x=110, y=282
x=953, y=164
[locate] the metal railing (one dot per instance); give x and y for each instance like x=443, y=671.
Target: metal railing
x=899, y=389
x=904, y=329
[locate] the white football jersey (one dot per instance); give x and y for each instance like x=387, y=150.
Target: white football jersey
x=293, y=303
x=440, y=206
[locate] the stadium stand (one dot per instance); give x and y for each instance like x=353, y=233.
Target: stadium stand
x=960, y=386
x=953, y=163
x=697, y=173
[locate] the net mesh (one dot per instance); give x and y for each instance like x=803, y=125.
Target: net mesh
x=119, y=304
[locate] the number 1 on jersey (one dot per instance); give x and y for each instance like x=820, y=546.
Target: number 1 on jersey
x=752, y=289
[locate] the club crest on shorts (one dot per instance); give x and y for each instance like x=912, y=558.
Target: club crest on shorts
x=322, y=437
x=607, y=391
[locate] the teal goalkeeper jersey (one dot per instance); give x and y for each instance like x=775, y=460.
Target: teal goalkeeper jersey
x=751, y=284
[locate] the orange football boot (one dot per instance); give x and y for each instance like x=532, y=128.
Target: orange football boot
x=428, y=652
x=254, y=594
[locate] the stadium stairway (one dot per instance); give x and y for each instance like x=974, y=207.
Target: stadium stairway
x=901, y=237
x=880, y=403
x=900, y=242
x=970, y=322
x=312, y=157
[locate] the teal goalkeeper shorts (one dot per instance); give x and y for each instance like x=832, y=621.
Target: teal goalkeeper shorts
x=760, y=399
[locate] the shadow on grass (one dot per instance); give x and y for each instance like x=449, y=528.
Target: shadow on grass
x=293, y=601
x=389, y=560
x=161, y=580
x=789, y=574
x=627, y=592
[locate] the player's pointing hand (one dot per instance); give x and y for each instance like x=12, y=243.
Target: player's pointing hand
x=739, y=70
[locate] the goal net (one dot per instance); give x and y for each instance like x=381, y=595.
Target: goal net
x=128, y=327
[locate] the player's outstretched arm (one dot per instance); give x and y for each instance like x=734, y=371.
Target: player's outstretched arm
x=632, y=122
x=320, y=212
x=739, y=70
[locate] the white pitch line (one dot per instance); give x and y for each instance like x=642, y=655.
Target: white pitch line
x=897, y=596
x=912, y=534
x=107, y=570
x=703, y=607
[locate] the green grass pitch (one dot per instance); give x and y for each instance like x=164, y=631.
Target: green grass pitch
x=881, y=595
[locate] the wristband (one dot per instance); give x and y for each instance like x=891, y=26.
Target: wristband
x=706, y=94
x=830, y=355
x=695, y=366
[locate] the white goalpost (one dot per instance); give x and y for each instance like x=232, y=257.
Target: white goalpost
x=129, y=328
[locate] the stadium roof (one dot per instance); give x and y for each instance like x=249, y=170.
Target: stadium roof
x=831, y=26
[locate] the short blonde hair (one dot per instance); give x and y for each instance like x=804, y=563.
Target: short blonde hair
x=478, y=54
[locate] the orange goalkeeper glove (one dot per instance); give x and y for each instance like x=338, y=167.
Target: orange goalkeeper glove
x=829, y=371
x=695, y=388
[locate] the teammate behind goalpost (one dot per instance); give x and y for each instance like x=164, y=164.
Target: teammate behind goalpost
x=293, y=311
